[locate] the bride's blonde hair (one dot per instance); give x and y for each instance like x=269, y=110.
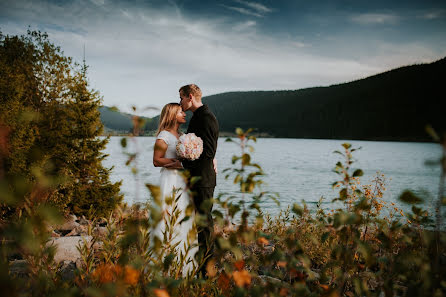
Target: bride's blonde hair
x=168, y=117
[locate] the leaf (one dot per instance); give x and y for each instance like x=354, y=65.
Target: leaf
x=124, y=142
x=211, y=269
x=155, y=192
x=6, y=195
x=223, y=281
x=160, y=293
x=194, y=180
x=239, y=131
x=217, y=214
x=242, y=278
x=430, y=130
x=168, y=260
x=224, y=244
x=185, y=219
x=346, y=145
x=239, y=265
x=297, y=209
x=253, y=138
x=343, y=194
x=281, y=264
x=410, y=198
x=324, y=236
x=358, y=172
x=431, y=163
x=246, y=158
x=262, y=241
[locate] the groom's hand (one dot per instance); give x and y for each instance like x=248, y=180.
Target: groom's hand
x=174, y=165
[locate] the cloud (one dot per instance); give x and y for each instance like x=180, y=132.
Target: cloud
x=251, y=8
x=432, y=15
x=98, y=2
x=393, y=55
x=243, y=11
x=260, y=8
x=375, y=18
x=299, y=44
x=243, y=26
x=141, y=54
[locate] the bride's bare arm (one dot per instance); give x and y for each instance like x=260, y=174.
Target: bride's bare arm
x=159, y=152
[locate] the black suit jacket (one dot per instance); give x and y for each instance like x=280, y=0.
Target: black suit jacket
x=205, y=125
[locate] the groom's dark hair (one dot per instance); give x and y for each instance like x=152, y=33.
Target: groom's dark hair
x=191, y=89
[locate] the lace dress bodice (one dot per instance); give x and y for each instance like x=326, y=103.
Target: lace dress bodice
x=171, y=142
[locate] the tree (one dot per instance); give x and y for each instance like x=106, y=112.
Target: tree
x=93, y=193
x=54, y=123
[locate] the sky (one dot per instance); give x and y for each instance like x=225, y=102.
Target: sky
x=141, y=52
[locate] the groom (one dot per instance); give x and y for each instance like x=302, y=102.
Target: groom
x=204, y=124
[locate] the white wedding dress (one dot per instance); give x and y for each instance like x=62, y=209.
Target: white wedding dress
x=172, y=179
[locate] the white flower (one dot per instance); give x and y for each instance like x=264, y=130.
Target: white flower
x=189, y=146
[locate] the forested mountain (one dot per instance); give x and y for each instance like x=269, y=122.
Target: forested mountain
x=120, y=122
x=394, y=105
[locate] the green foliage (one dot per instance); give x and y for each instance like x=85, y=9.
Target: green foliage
x=53, y=125
x=351, y=251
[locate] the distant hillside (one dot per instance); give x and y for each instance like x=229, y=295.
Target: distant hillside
x=395, y=105
x=118, y=122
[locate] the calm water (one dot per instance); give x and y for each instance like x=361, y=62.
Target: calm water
x=298, y=169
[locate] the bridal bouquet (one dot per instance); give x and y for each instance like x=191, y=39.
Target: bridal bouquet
x=189, y=146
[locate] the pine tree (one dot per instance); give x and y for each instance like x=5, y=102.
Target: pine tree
x=18, y=100
x=93, y=192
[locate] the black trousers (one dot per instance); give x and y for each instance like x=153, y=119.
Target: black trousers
x=205, y=225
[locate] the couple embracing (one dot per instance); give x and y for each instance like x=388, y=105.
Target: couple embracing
x=195, y=241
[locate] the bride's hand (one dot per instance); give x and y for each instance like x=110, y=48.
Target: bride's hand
x=174, y=165
x=215, y=166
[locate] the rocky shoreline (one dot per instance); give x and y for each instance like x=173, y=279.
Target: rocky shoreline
x=66, y=237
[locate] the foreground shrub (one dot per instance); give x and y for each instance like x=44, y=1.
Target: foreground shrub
x=355, y=250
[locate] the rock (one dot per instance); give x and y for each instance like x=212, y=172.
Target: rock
x=67, y=270
x=18, y=267
x=313, y=275
x=101, y=232
x=54, y=234
x=67, y=247
x=69, y=224
x=79, y=263
x=269, y=248
x=79, y=230
x=83, y=221
x=102, y=222
x=263, y=280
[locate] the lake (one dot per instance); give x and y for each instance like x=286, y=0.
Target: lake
x=297, y=169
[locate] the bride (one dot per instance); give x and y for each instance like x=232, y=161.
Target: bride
x=175, y=198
